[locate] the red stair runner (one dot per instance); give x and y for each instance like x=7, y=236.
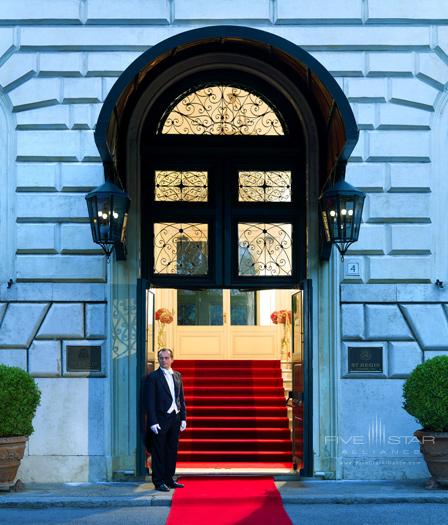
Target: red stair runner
x=236, y=414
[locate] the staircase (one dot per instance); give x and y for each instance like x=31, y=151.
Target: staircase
x=236, y=413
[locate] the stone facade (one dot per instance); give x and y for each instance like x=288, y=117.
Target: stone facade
x=58, y=61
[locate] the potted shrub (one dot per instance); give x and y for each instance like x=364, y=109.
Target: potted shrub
x=425, y=395
x=19, y=399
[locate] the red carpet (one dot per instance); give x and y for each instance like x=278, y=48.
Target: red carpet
x=236, y=414
x=227, y=501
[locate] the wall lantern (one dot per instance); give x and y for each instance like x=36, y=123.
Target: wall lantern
x=108, y=214
x=341, y=208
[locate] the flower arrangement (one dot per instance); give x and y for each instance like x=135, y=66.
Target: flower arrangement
x=163, y=317
x=284, y=317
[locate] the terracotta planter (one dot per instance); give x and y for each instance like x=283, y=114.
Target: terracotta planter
x=11, y=453
x=434, y=447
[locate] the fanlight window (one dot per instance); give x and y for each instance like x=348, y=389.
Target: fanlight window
x=221, y=110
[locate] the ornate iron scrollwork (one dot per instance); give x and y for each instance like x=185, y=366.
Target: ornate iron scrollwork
x=265, y=249
x=221, y=110
x=185, y=186
x=180, y=249
x=264, y=186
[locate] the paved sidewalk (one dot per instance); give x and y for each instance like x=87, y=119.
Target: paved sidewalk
x=130, y=494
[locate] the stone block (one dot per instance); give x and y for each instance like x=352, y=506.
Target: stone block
x=130, y=12
x=358, y=153
x=398, y=207
x=57, y=206
x=63, y=320
x=18, y=69
x=48, y=145
x=81, y=176
x=342, y=63
x=61, y=64
x=385, y=63
x=13, y=357
x=109, y=63
x=406, y=11
x=367, y=177
x=82, y=90
x=403, y=358
x=56, y=268
x=121, y=38
x=368, y=293
x=53, y=117
x=410, y=177
x=372, y=240
x=410, y=239
x=400, y=269
x=96, y=321
x=3, y=307
x=45, y=359
x=108, y=84
x=35, y=93
x=89, y=151
x=434, y=353
x=366, y=89
x=81, y=116
x=404, y=146
x=421, y=293
x=429, y=325
x=36, y=11
x=20, y=324
x=36, y=238
x=352, y=321
x=223, y=10
x=62, y=469
x=37, y=176
x=413, y=92
x=70, y=418
x=24, y=291
x=291, y=11
x=365, y=115
x=394, y=116
x=77, y=238
x=432, y=69
x=386, y=322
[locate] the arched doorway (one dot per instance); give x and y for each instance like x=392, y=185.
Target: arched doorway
x=214, y=236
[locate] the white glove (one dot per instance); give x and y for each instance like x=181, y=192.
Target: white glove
x=155, y=428
x=183, y=425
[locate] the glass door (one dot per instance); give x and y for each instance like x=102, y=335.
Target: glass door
x=145, y=360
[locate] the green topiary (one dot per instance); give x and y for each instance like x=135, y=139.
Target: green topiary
x=425, y=394
x=19, y=399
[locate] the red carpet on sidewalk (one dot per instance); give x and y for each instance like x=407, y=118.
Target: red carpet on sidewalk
x=236, y=414
x=227, y=501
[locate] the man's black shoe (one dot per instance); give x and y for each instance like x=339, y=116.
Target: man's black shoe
x=175, y=485
x=162, y=488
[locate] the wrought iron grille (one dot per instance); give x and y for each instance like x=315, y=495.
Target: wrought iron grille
x=186, y=186
x=180, y=249
x=221, y=110
x=264, y=186
x=265, y=249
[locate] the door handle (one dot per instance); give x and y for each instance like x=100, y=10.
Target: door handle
x=224, y=318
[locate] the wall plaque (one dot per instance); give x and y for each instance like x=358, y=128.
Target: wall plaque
x=83, y=358
x=365, y=359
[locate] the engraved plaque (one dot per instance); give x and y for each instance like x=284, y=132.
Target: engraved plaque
x=83, y=358
x=365, y=359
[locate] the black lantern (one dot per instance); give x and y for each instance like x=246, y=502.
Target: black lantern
x=341, y=208
x=108, y=213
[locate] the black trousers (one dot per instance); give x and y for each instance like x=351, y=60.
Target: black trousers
x=164, y=447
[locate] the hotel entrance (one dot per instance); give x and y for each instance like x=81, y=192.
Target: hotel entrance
x=243, y=361
x=224, y=138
